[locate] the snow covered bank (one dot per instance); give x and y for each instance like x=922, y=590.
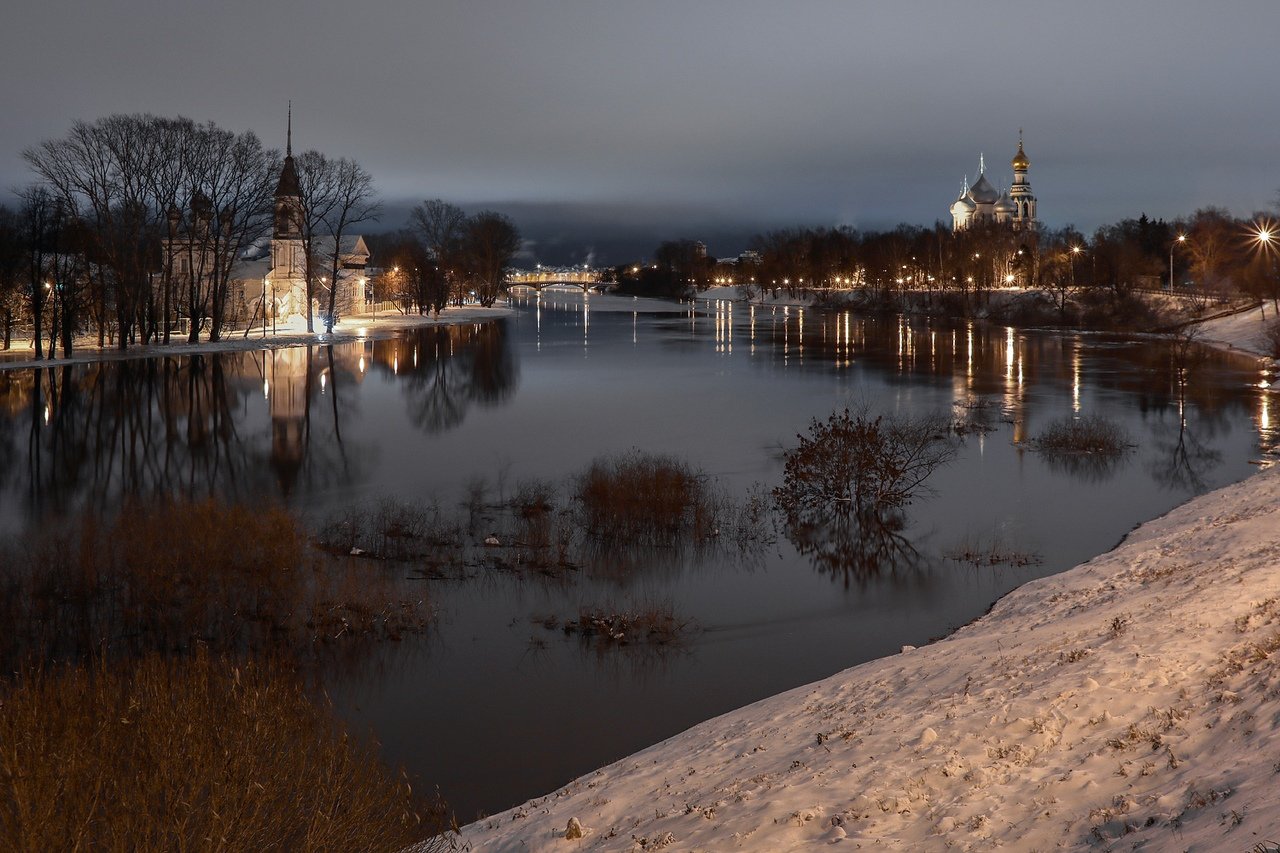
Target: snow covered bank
x=1133, y=700
x=1242, y=331
x=291, y=334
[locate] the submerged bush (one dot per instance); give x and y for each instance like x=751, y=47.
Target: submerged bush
x=645, y=498
x=1092, y=434
x=654, y=624
x=863, y=462
x=195, y=754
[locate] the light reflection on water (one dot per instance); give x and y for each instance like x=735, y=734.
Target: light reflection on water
x=495, y=708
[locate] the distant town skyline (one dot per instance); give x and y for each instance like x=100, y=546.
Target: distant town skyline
x=605, y=129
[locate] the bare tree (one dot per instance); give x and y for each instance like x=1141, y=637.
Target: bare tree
x=40, y=216
x=353, y=203
x=13, y=256
x=441, y=226
x=335, y=195
x=489, y=243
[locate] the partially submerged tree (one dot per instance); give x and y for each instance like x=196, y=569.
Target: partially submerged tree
x=858, y=461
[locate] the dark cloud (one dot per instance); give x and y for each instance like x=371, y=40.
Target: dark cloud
x=662, y=117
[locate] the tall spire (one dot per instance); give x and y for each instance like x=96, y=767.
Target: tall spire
x=288, y=139
x=982, y=167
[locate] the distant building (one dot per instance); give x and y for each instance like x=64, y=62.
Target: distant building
x=982, y=204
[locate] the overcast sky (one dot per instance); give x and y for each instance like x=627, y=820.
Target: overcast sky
x=610, y=124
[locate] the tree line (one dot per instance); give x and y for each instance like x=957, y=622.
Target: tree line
x=1208, y=254
x=444, y=257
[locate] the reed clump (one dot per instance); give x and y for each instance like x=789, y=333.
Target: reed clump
x=605, y=625
x=646, y=498
x=194, y=753
x=1091, y=434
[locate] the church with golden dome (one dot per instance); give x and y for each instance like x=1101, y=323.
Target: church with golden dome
x=981, y=203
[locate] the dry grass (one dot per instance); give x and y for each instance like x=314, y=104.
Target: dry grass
x=1088, y=435
x=646, y=498
x=197, y=754
x=390, y=529
x=993, y=552
x=172, y=576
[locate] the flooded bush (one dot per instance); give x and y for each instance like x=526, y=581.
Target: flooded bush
x=974, y=415
x=1092, y=434
x=870, y=463
x=609, y=625
x=979, y=552
x=171, y=576
x=645, y=498
x=534, y=497
x=195, y=754
x=390, y=529
x=845, y=487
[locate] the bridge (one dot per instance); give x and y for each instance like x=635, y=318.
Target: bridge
x=571, y=278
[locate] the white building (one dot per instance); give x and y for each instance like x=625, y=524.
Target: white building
x=982, y=204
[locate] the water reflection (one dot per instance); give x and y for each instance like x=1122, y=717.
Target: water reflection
x=240, y=425
x=855, y=548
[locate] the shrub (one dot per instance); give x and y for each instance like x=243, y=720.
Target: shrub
x=864, y=463
x=194, y=754
x=534, y=498
x=645, y=498
x=1091, y=434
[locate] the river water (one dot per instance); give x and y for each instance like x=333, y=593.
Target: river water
x=490, y=705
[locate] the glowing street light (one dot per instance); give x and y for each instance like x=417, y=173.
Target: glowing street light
x=1182, y=238
x=1266, y=237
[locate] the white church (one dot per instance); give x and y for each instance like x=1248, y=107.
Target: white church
x=982, y=204
x=285, y=283
x=269, y=285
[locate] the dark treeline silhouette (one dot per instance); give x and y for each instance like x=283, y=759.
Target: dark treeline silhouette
x=444, y=257
x=1208, y=256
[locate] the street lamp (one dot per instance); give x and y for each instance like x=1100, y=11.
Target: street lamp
x=1266, y=236
x=1182, y=238
x=1075, y=250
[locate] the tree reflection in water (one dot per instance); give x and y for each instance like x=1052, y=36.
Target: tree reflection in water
x=237, y=425
x=444, y=370
x=855, y=547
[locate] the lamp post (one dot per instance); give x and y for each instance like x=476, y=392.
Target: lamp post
x=1075, y=250
x=1182, y=238
x=1266, y=238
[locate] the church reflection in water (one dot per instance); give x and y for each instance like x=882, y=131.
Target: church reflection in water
x=249, y=426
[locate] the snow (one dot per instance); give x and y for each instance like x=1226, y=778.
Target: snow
x=1240, y=331
x=1133, y=700
x=287, y=334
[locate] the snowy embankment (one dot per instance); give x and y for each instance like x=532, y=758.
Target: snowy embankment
x=286, y=334
x=1245, y=331
x=1132, y=700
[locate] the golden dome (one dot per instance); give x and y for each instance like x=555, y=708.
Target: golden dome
x=1020, y=160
